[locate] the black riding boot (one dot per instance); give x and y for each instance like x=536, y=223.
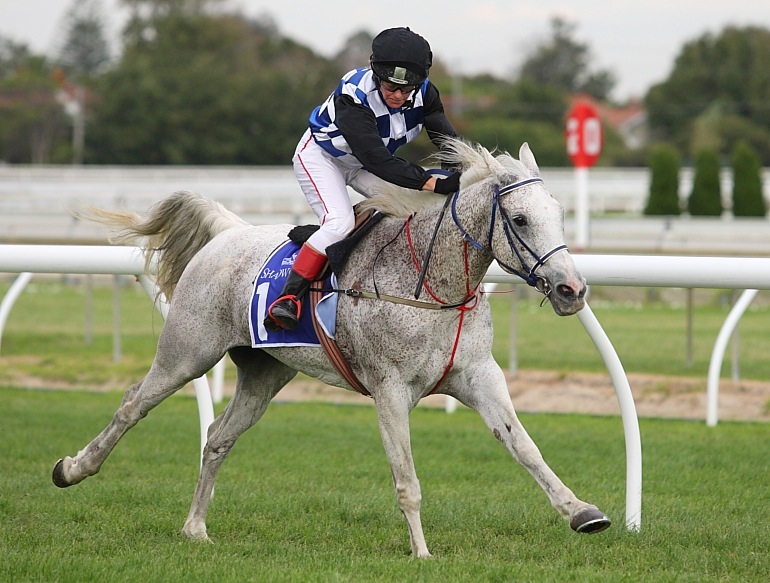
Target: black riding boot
x=284, y=313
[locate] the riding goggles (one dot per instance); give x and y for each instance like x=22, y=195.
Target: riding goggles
x=393, y=87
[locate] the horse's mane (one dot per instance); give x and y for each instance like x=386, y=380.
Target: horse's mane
x=476, y=163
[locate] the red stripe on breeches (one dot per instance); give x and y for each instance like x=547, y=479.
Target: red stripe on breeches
x=323, y=180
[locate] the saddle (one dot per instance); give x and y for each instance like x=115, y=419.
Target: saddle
x=339, y=253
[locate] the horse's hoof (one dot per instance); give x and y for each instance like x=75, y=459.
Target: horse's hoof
x=590, y=520
x=58, y=475
x=196, y=534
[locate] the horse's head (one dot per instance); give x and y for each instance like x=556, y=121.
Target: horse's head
x=503, y=209
x=526, y=225
x=528, y=234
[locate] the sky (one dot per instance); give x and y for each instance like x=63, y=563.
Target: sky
x=638, y=41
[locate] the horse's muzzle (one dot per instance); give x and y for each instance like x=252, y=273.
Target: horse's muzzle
x=567, y=297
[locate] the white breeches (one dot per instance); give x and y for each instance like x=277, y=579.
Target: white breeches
x=324, y=179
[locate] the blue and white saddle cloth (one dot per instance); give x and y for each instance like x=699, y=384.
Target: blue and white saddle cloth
x=267, y=288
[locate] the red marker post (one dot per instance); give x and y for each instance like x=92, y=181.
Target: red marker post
x=584, y=146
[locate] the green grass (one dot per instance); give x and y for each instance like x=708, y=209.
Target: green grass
x=306, y=495
x=649, y=337
x=44, y=335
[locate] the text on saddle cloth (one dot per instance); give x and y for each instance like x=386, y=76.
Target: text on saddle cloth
x=268, y=286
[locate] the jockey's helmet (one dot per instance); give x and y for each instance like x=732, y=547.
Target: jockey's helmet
x=401, y=56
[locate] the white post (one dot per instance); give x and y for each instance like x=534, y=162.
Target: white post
x=627, y=413
x=718, y=353
x=202, y=393
x=582, y=207
x=218, y=380
x=10, y=298
x=688, y=351
x=736, y=347
x=513, y=334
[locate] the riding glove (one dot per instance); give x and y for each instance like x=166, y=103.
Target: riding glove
x=448, y=185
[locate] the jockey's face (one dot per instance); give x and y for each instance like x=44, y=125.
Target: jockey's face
x=395, y=96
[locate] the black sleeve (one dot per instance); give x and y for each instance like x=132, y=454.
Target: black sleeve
x=436, y=123
x=359, y=128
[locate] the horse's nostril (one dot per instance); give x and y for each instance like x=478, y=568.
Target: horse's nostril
x=569, y=293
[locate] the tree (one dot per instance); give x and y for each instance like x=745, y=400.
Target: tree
x=532, y=101
x=706, y=196
x=355, y=52
x=32, y=121
x=748, y=200
x=716, y=82
x=13, y=56
x=205, y=88
x=561, y=62
x=85, y=52
x=664, y=164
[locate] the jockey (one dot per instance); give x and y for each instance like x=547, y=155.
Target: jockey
x=352, y=140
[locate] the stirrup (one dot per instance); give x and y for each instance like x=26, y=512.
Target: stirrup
x=288, y=320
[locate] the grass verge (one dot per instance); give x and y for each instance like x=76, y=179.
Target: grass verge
x=306, y=495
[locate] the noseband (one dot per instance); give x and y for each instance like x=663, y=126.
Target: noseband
x=528, y=273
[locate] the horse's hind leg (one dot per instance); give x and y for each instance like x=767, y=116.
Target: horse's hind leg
x=486, y=391
x=260, y=377
x=179, y=359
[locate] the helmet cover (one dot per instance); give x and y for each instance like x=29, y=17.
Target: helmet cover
x=401, y=56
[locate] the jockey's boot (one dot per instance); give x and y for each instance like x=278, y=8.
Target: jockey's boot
x=284, y=312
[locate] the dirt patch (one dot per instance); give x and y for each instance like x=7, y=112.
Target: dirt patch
x=547, y=392
x=654, y=396
x=551, y=392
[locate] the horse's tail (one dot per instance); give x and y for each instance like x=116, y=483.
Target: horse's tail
x=172, y=231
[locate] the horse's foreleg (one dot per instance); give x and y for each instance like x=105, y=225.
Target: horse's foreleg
x=260, y=377
x=393, y=418
x=487, y=393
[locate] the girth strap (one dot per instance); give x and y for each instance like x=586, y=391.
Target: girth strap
x=330, y=346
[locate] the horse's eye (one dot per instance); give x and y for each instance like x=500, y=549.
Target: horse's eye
x=519, y=221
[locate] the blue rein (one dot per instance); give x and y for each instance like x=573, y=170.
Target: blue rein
x=529, y=274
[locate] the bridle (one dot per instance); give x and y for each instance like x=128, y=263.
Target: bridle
x=528, y=273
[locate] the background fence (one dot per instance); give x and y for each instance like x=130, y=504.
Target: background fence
x=35, y=204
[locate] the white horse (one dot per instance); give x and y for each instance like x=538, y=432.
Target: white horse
x=207, y=260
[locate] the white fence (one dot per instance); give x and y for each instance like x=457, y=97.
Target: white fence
x=35, y=204
x=646, y=271
x=251, y=187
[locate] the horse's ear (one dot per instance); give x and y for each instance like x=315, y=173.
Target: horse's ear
x=527, y=158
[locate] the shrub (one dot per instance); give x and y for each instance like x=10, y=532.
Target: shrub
x=664, y=163
x=747, y=182
x=706, y=196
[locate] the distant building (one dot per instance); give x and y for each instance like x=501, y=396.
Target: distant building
x=630, y=120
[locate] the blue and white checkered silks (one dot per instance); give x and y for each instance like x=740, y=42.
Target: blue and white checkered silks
x=396, y=127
